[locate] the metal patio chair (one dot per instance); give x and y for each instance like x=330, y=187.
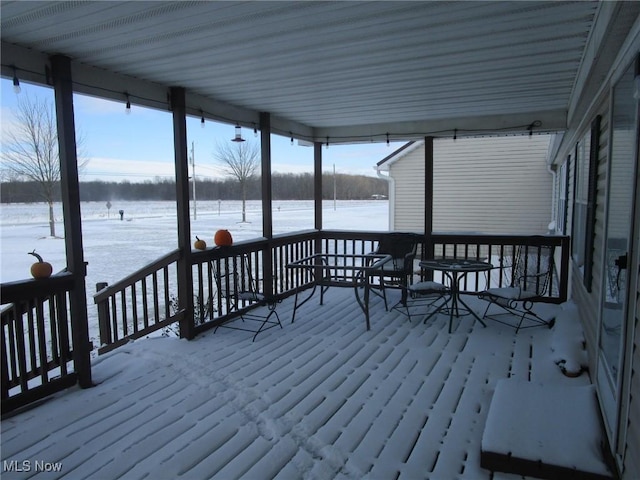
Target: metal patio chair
x=531, y=274
x=238, y=291
x=397, y=272
x=422, y=296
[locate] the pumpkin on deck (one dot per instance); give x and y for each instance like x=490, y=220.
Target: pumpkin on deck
x=199, y=244
x=40, y=269
x=223, y=238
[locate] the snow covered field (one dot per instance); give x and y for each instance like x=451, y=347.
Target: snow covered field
x=115, y=248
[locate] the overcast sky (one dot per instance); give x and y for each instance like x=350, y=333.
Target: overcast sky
x=139, y=146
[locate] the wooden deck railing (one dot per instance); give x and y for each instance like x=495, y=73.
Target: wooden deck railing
x=501, y=250
x=37, y=350
x=139, y=304
x=36, y=341
x=146, y=300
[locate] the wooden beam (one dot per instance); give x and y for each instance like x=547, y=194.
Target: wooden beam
x=265, y=149
x=185, y=276
x=549, y=121
x=428, y=200
x=267, y=201
x=428, y=185
x=62, y=85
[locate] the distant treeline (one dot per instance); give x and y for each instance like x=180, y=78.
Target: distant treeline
x=285, y=186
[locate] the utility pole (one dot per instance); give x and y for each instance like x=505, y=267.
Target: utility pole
x=193, y=168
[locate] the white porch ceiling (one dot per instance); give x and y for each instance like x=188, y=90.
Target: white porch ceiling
x=352, y=71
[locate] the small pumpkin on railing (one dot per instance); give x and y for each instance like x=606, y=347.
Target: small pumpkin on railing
x=40, y=269
x=199, y=244
x=223, y=238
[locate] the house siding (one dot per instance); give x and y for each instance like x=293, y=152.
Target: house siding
x=591, y=299
x=589, y=302
x=408, y=202
x=480, y=185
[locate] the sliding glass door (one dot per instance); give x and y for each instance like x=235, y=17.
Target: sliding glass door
x=618, y=241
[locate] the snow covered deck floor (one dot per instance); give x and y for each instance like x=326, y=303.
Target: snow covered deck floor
x=322, y=398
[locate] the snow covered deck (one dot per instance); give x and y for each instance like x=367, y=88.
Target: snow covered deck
x=321, y=398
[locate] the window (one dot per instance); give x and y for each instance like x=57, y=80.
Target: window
x=580, y=200
x=584, y=208
x=563, y=197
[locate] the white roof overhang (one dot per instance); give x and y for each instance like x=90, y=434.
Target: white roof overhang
x=349, y=71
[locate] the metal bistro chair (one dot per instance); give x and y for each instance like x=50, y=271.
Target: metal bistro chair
x=530, y=281
x=398, y=273
x=426, y=294
x=238, y=289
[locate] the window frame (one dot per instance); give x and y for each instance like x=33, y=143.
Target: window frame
x=562, y=208
x=584, y=201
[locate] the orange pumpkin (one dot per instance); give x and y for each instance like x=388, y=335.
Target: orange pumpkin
x=199, y=244
x=40, y=269
x=223, y=238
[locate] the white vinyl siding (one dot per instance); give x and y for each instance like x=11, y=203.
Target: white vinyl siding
x=408, y=200
x=497, y=185
x=588, y=302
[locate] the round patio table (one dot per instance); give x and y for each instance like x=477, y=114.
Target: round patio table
x=455, y=269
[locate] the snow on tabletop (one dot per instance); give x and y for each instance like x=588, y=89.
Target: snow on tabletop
x=555, y=424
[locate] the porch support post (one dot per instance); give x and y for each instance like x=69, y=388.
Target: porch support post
x=428, y=196
x=267, y=201
x=70, y=190
x=185, y=276
x=428, y=202
x=317, y=185
x=265, y=150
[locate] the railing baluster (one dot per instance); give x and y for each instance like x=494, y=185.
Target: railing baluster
x=104, y=322
x=167, y=299
x=134, y=308
x=63, y=330
x=199, y=301
x=210, y=290
x=42, y=341
x=55, y=352
x=114, y=319
x=145, y=303
x=156, y=300
x=4, y=379
x=21, y=349
x=13, y=347
x=125, y=317
x=31, y=338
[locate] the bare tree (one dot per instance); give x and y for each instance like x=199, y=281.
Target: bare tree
x=30, y=149
x=241, y=161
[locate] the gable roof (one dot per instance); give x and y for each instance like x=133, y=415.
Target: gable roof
x=383, y=165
